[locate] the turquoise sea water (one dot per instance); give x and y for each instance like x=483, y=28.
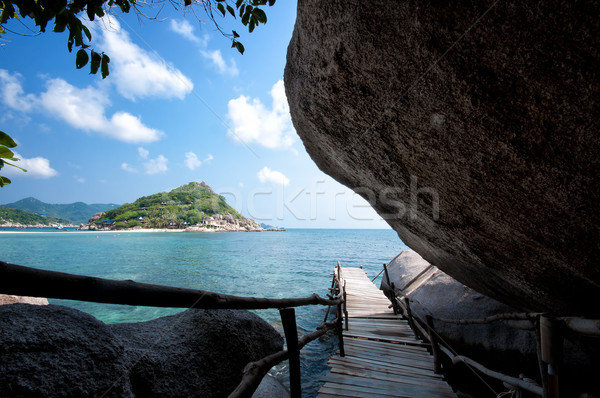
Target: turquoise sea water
x=295, y=263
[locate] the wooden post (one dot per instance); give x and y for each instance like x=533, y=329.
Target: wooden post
x=435, y=349
x=394, y=302
x=288, y=319
x=542, y=366
x=411, y=321
x=340, y=330
x=390, y=285
x=552, y=339
x=345, y=308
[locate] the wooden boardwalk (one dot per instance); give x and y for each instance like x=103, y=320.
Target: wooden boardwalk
x=383, y=357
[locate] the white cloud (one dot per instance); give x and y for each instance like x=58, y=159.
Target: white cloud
x=192, y=162
x=128, y=128
x=80, y=180
x=184, y=28
x=252, y=121
x=12, y=93
x=127, y=167
x=267, y=175
x=82, y=108
x=218, y=62
x=143, y=152
x=139, y=74
x=156, y=166
x=37, y=167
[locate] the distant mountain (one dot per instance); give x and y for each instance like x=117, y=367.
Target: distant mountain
x=191, y=206
x=9, y=215
x=77, y=213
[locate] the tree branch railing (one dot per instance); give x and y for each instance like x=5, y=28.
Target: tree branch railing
x=549, y=331
x=26, y=281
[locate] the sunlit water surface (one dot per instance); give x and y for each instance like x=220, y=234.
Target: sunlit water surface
x=295, y=263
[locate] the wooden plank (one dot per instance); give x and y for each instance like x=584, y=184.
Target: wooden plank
x=390, y=367
x=401, y=389
x=385, y=389
x=414, y=342
x=336, y=388
x=383, y=358
x=377, y=374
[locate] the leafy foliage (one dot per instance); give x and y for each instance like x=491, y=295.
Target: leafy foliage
x=69, y=15
x=27, y=218
x=186, y=205
x=6, y=154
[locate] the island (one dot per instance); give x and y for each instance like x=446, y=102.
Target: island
x=190, y=207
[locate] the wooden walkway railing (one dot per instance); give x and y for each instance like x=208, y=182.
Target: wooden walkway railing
x=26, y=281
x=379, y=355
x=550, y=332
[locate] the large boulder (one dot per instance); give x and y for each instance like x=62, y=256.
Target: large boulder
x=432, y=292
x=471, y=127
x=196, y=353
x=56, y=351
x=507, y=346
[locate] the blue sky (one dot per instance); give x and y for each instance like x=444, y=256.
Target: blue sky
x=179, y=105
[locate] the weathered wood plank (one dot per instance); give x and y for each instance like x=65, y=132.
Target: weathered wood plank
x=383, y=358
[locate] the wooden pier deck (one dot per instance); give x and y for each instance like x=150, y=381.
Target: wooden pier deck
x=383, y=358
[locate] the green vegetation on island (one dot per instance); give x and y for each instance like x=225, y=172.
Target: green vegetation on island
x=76, y=213
x=188, y=205
x=20, y=217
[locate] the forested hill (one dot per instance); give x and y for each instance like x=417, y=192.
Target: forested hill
x=187, y=205
x=77, y=213
x=16, y=216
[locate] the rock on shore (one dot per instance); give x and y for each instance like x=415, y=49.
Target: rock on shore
x=56, y=351
x=471, y=127
x=502, y=345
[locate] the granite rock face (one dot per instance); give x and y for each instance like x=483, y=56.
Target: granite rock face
x=434, y=293
x=507, y=346
x=56, y=351
x=196, y=353
x=470, y=127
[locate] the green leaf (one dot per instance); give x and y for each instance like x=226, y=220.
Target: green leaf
x=187, y=2
x=231, y=10
x=260, y=15
x=95, y=64
x=252, y=25
x=6, y=140
x=221, y=8
x=81, y=59
x=235, y=34
x=271, y=3
x=8, y=12
x=14, y=165
x=6, y=153
x=4, y=181
x=87, y=32
x=239, y=47
x=60, y=22
x=246, y=16
x=238, y=3
x=104, y=66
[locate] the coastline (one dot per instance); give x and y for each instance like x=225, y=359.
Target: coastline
x=138, y=230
